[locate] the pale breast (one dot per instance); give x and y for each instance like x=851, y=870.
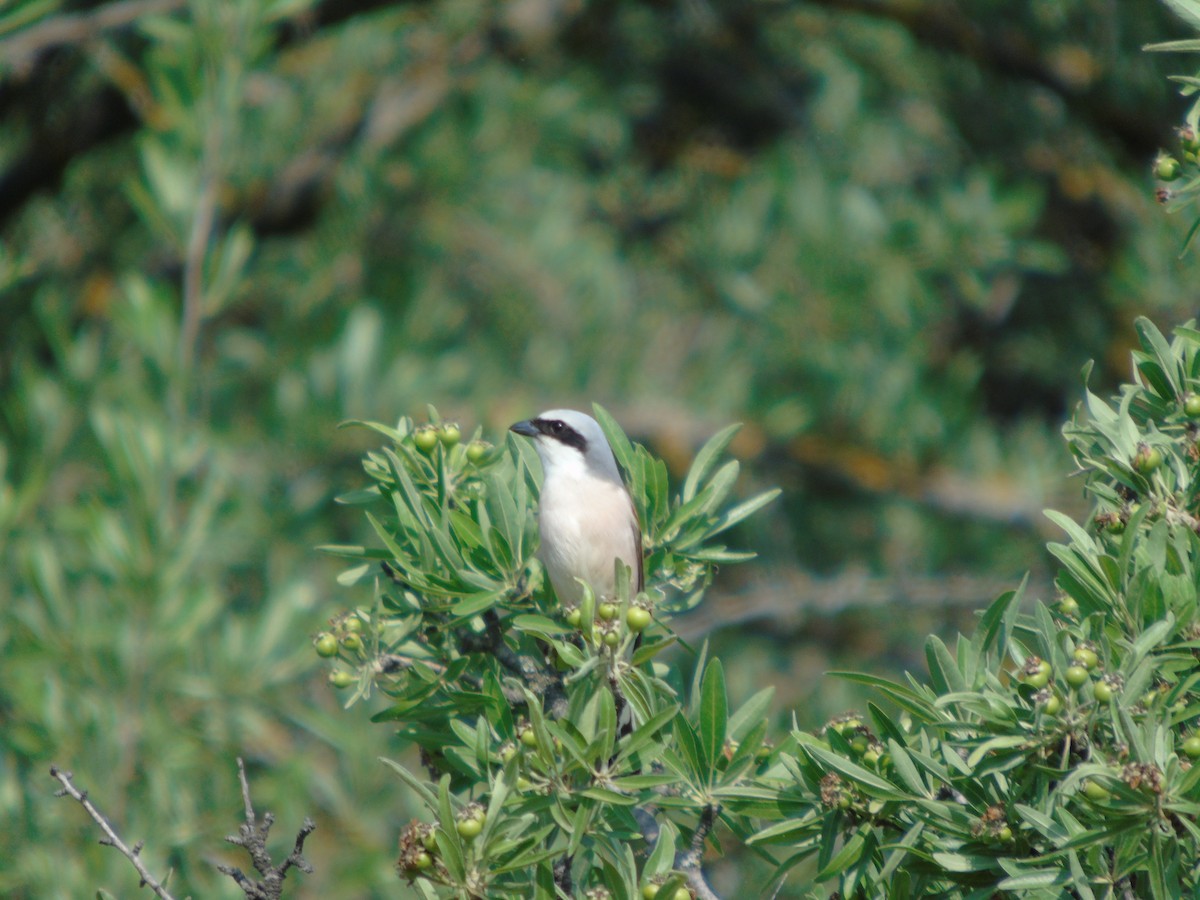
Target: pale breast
x=584, y=528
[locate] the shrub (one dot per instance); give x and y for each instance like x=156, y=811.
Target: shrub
x=1050, y=752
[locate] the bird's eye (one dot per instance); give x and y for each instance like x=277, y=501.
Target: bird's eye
x=555, y=426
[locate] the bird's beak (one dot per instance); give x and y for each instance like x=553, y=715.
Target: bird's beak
x=526, y=428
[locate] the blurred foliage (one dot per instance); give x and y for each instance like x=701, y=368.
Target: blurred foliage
x=886, y=235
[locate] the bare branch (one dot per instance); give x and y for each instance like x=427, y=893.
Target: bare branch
x=21, y=50
x=110, y=835
x=792, y=598
x=688, y=862
x=252, y=836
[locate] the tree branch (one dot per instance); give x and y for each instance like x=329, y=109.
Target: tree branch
x=252, y=836
x=20, y=51
x=688, y=862
x=110, y=838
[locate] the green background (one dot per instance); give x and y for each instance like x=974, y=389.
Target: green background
x=886, y=236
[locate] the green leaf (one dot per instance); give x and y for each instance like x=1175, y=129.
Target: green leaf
x=743, y=510
x=1038, y=878
x=714, y=715
x=621, y=447
x=706, y=459
x=943, y=669
x=868, y=781
x=662, y=857
x=845, y=858
x=751, y=713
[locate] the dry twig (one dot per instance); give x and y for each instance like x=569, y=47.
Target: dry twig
x=110, y=839
x=252, y=836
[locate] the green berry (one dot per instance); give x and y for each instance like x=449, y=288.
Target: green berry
x=507, y=752
x=1095, y=791
x=1086, y=657
x=612, y=638
x=1192, y=746
x=477, y=451
x=340, y=678
x=1005, y=834
x=682, y=894
x=422, y=860
x=1077, y=676
x=1038, y=676
x=650, y=891
x=429, y=840
x=1167, y=168
x=425, y=438
x=574, y=616
x=469, y=828
x=1052, y=706
x=1191, y=405
x=528, y=737
x=1069, y=607
x=607, y=611
x=1147, y=459
x=326, y=645
x=352, y=642
x=1102, y=691
x=638, y=619
x=352, y=625
x=449, y=433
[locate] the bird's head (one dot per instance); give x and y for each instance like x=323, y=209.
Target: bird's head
x=569, y=441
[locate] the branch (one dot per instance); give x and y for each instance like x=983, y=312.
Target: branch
x=688, y=862
x=21, y=50
x=252, y=836
x=110, y=838
x=793, y=598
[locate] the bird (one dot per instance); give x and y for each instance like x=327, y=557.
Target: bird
x=586, y=516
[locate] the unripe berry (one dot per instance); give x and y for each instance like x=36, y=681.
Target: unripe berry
x=477, y=451
x=449, y=433
x=425, y=438
x=638, y=619
x=1086, y=657
x=340, y=678
x=607, y=611
x=1077, y=676
x=1191, y=405
x=1167, y=168
x=469, y=828
x=1191, y=746
x=326, y=645
x=1147, y=459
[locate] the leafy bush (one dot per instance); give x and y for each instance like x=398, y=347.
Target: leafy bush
x=547, y=732
x=1049, y=753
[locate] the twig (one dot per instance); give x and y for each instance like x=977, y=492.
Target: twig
x=110, y=838
x=22, y=49
x=252, y=836
x=792, y=598
x=688, y=862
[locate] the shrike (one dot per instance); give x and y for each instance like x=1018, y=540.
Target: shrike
x=586, y=517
